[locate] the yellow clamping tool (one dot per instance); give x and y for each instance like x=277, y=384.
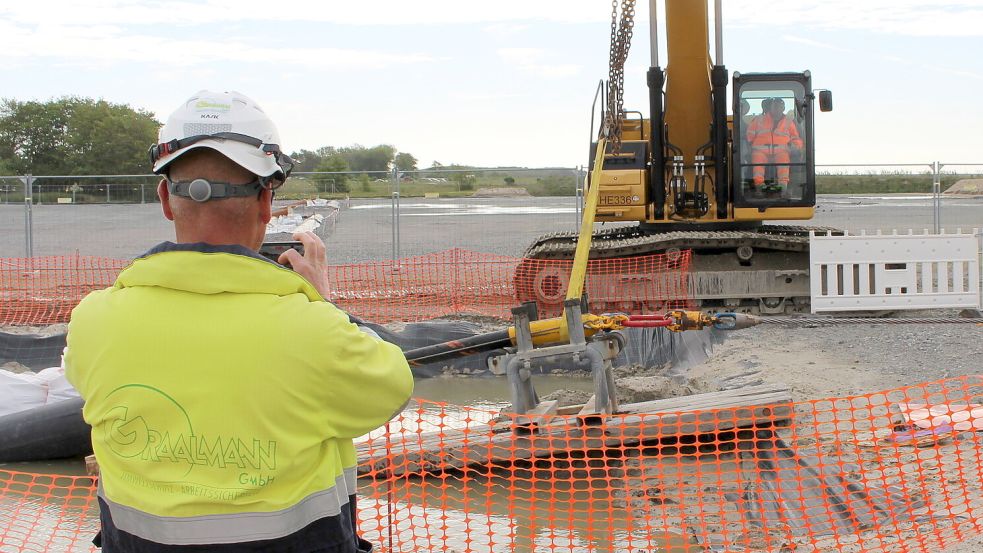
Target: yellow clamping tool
x=554, y=331
x=696, y=320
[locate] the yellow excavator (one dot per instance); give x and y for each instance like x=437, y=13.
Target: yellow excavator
x=692, y=177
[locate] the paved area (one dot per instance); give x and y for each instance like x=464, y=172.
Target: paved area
x=365, y=230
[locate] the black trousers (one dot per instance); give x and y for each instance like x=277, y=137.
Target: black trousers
x=335, y=534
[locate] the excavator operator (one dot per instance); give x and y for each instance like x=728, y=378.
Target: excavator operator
x=772, y=137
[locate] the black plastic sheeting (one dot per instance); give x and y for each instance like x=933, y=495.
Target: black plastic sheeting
x=31, y=350
x=40, y=352
x=810, y=493
x=58, y=431
x=418, y=335
x=658, y=347
x=647, y=347
x=54, y=431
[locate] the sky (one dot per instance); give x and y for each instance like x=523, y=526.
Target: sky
x=504, y=83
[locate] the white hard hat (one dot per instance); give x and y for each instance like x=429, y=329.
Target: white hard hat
x=230, y=123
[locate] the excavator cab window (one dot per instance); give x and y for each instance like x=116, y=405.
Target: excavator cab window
x=772, y=141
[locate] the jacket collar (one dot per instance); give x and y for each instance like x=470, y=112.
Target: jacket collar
x=203, y=247
x=213, y=269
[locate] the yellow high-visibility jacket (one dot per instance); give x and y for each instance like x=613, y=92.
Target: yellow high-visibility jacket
x=223, y=393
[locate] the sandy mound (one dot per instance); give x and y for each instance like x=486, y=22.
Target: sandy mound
x=972, y=187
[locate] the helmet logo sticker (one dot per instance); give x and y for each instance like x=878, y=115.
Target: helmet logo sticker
x=202, y=105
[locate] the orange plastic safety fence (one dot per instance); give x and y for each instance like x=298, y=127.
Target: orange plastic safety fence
x=43, y=290
x=456, y=281
x=47, y=513
x=746, y=470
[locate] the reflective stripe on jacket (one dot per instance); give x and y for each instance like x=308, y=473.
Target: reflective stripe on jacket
x=764, y=133
x=223, y=394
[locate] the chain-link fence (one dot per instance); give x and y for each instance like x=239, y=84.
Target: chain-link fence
x=386, y=215
x=395, y=214
x=961, y=205
x=15, y=222
x=889, y=197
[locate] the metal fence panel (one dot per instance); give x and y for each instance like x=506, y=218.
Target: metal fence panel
x=495, y=211
x=111, y=216
x=13, y=218
x=364, y=227
x=881, y=197
x=961, y=202
x=388, y=215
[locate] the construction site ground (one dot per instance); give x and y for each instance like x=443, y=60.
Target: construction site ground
x=815, y=363
x=825, y=362
x=504, y=226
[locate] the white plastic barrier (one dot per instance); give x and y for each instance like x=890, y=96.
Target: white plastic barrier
x=891, y=272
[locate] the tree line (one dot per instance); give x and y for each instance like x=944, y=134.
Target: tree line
x=83, y=136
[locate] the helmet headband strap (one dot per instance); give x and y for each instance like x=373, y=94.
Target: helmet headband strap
x=202, y=190
x=284, y=161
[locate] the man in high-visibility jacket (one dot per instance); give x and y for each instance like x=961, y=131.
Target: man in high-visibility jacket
x=223, y=391
x=772, y=136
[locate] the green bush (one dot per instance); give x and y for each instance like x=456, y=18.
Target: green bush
x=553, y=185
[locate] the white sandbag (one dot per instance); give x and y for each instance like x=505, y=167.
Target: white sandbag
x=20, y=391
x=58, y=387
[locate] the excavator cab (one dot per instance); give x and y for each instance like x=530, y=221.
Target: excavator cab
x=772, y=136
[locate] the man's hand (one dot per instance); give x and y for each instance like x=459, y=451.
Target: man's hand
x=313, y=265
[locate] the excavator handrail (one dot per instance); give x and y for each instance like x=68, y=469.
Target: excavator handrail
x=601, y=91
x=641, y=121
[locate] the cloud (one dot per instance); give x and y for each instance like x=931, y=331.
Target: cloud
x=377, y=12
x=506, y=30
x=956, y=72
x=107, y=43
x=906, y=17
x=532, y=60
x=484, y=97
x=897, y=17
x=901, y=17
x=816, y=43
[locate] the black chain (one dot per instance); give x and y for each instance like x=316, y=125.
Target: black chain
x=621, y=33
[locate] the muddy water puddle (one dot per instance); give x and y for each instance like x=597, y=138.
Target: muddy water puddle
x=550, y=505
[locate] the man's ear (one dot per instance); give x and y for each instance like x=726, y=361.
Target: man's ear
x=265, y=205
x=165, y=197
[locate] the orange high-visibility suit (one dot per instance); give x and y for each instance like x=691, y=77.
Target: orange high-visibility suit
x=770, y=143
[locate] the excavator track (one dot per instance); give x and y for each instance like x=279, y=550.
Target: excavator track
x=759, y=270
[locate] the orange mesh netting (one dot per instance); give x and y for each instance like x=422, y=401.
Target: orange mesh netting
x=43, y=290
x=456, y=280
x=744, y=470
x=47, y=513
